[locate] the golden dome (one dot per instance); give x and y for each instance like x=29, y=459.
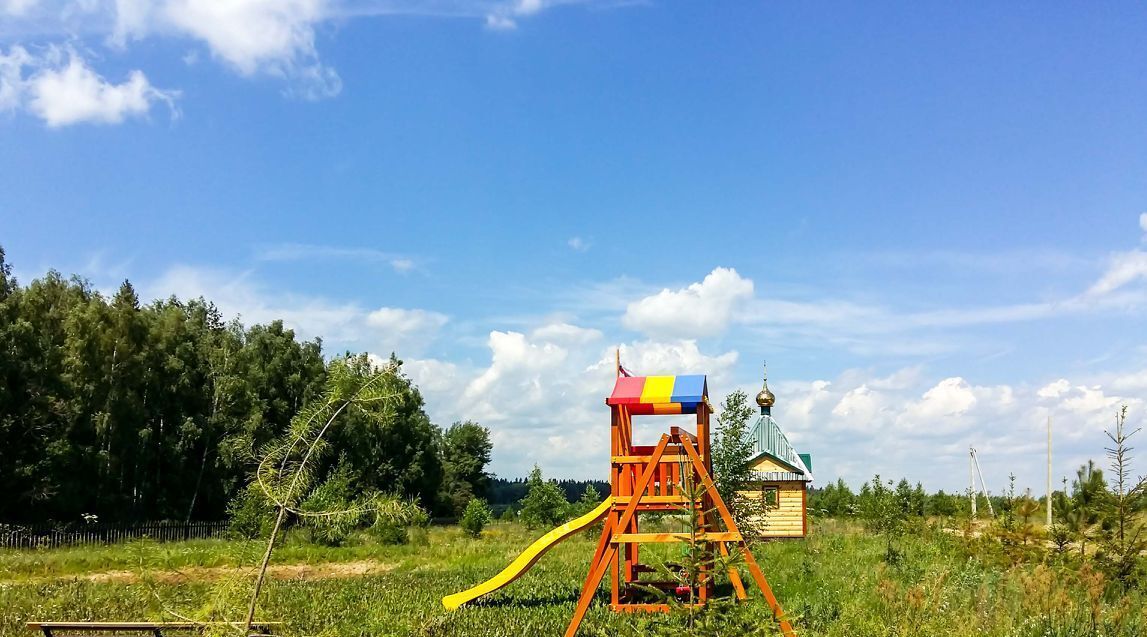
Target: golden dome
x=765, y=398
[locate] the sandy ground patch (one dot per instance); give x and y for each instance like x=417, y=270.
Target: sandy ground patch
x=327, y=570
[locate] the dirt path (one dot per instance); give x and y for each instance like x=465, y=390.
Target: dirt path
x=329, y=570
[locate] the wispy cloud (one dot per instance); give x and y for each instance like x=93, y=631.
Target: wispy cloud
x=556, y=368
x=344, y=324
x=725, y=298
x=310, y=252
x=1010, y=261
x=577, y=244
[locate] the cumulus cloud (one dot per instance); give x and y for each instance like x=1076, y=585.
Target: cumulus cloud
x=922, y=430
x=274, y=38
x=542, y=391
x=1054, y=389
x=61, y=89
x=565, y=333
x=539, y=385
x=700, y=309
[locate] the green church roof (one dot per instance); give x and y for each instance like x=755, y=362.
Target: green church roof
x=767, y=439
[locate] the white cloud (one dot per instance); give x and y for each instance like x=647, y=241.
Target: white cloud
x=653, y=357
x=1143, y=224
x=402, y=264
x=275, y=37
x=577, y=244
x=252, y=37
x=61, y=89
x=922, y=430
x=1124, y=268
x=950, y=397
x=542, y=392
x=496, y=22
x=17, y=7
x=12, y=78
x=433, y=376
x=564, y=333
x=309, y=252
x=341, y=325
x=403, y=321
x=528, y=7
x=540, y=388
x=76, y=94
x=701, y=309
x=501, y=18
x=1054, y=389
x=131, y=20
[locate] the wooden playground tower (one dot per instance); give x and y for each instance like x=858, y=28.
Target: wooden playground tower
x=650, y=478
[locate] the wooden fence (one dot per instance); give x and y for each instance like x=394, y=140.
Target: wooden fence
x=21, y=536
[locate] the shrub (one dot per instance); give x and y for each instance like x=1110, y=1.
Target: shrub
x=476, y=516
x=250, y=514
x=394, y=520
x=338, y=514
x=388, y=531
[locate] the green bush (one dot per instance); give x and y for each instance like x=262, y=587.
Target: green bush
x=334, y=512
x=250, y=513
x=476, y=516
x=387, y=531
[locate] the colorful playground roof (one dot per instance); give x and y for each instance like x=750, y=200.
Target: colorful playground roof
x=767, y=439
x=659, y=394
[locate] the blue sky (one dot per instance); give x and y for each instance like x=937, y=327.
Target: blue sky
x=927, y=218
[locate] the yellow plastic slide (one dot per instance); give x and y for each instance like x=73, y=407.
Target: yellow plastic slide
x=524, y=561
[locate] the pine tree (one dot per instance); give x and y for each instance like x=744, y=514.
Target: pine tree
x=544, y=504
x=1123, y=548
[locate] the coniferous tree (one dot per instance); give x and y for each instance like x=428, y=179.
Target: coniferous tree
x=544, y=504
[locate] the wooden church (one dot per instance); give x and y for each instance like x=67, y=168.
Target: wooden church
x=780, y=477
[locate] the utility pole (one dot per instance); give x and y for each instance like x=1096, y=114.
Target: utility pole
x=983, y=485
x=972, y=480
x=1049, y=471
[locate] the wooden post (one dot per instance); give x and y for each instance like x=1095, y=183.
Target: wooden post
x=1049, y=472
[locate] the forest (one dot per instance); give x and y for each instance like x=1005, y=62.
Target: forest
x=126, y=411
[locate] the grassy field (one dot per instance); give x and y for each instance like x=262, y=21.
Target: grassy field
x=837, y=583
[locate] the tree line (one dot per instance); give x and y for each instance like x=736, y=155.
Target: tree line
x=128, y=411
x=505, y=493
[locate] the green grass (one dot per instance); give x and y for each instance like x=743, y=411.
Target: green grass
x=836, y=583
